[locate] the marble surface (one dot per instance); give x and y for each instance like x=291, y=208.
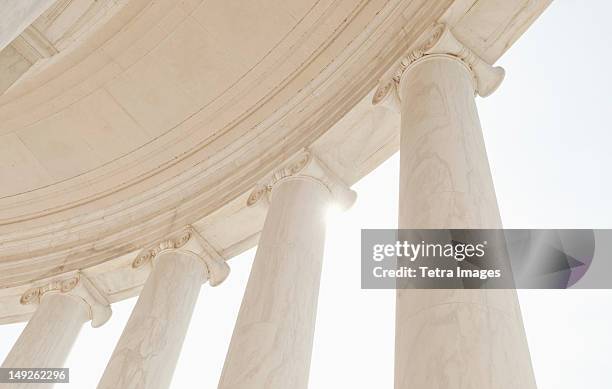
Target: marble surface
x=445, y=180
x=200, y=115
x=272, y=341
x=451, y=339
x=17, y=15
x=149, y=347
x=48, y=336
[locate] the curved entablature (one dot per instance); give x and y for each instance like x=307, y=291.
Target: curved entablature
x=168, y=115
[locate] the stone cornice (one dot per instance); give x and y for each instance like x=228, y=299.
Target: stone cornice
x=441, y=41
x=304, y=166
x=189, y=241
x=77, y=286
x=96, y=221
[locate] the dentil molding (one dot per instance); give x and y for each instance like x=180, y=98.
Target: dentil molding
x=78, y=286
x=305, y=166
x=441, y=41
x=190, y=242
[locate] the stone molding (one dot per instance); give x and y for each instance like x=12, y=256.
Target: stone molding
x=441, y=42
x=304, y=166
x=174, y=242
x=88, y=222
x=78, y=286
x=190, y=242
x=33, y=45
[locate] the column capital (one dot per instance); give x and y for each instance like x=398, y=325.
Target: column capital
x=78, y=286
x=440, y=42
x=190, y=242
x=305, y=166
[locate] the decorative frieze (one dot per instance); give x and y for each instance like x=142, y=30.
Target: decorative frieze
x=76, y=285
x=441, y=41
x=304, y=166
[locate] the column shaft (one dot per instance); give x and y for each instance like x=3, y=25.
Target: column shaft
x=149, y=347
x=272, y=342
x=48, y=336
x=450, y=339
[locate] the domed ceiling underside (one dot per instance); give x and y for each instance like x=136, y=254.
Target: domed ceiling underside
x=150, y=115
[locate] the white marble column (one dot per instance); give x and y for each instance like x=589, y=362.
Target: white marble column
x=63, y=306
x=272, y=341
x=451, y=339
x=149, y=347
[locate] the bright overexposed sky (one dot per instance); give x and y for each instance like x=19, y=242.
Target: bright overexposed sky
x=549, y=139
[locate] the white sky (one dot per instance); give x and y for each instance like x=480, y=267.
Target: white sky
x=548, y=135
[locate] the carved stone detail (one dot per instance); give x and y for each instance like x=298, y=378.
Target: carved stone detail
x=188, y=240
x=441, y=42
x=304, y=166
x=173, y=243
x=217, y=270
x=79, y=286
x=33, y=295
x=259, y=192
